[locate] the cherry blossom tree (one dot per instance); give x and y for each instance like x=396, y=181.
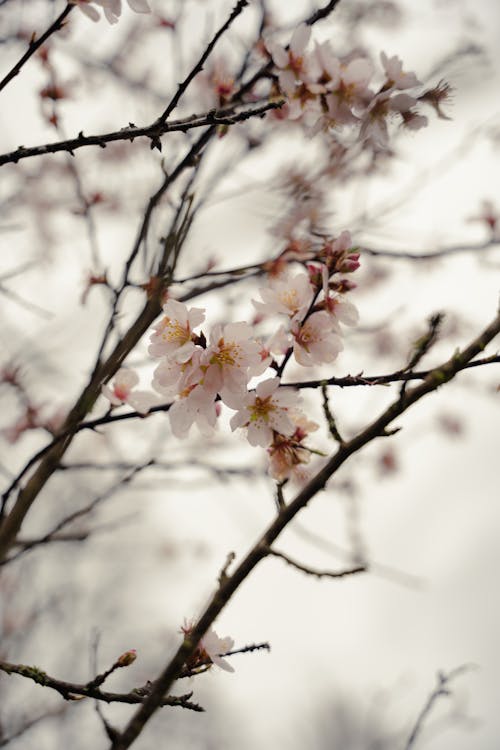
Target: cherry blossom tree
x=185, y=303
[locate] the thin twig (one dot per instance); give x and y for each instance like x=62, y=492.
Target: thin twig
x=432, y=254
x=34, y=45
x=440, y=690
x=330, y=419
x=315, y=572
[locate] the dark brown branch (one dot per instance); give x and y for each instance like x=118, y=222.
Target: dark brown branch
x=395, y=377
x=249, y=649
x=224, y=592
x=227, y=116
x=74, y=691
x=318, y=573
x=35, y=45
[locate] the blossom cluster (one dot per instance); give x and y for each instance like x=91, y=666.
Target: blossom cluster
x=195, y=374
x=326, y=92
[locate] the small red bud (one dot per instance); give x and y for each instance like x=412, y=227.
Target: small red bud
x=127, y=658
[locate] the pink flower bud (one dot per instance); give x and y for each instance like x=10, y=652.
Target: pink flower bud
x=127, y=658
x=315, y=275
x=349, y=264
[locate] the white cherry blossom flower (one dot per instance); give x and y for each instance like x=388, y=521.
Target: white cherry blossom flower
x=336, y=114
x=345, y=102
x=315, y=341
x=356, y=76
x=194, y=406
x=382, y=107
x=326, y=67
x=216, y=647
x=171, y=377
x=397, y=78
x=291, y=296
x=341, y=310
x=265, y=411
x=122, y=392
x=123, y=383
x=292, y=62
x=174, y=332
x=230, y=359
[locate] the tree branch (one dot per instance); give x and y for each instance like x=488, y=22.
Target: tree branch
x=227, y=116
x=71, y=691
x=394, y=377
x=224, y=592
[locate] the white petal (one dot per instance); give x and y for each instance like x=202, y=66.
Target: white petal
x=196, y=316
x=142, y=401
x=278, y=53
x=140, y=6
x=282, y=423
x=301, y=356
x=176, y=310
x=222, y=664
x=181, y=418
x=89, y=11
x=267, y=387
x=126, y=377
x=348, y=314
x=239, y=419
x=259, y=433
x=237, y=331
x=300, y=38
